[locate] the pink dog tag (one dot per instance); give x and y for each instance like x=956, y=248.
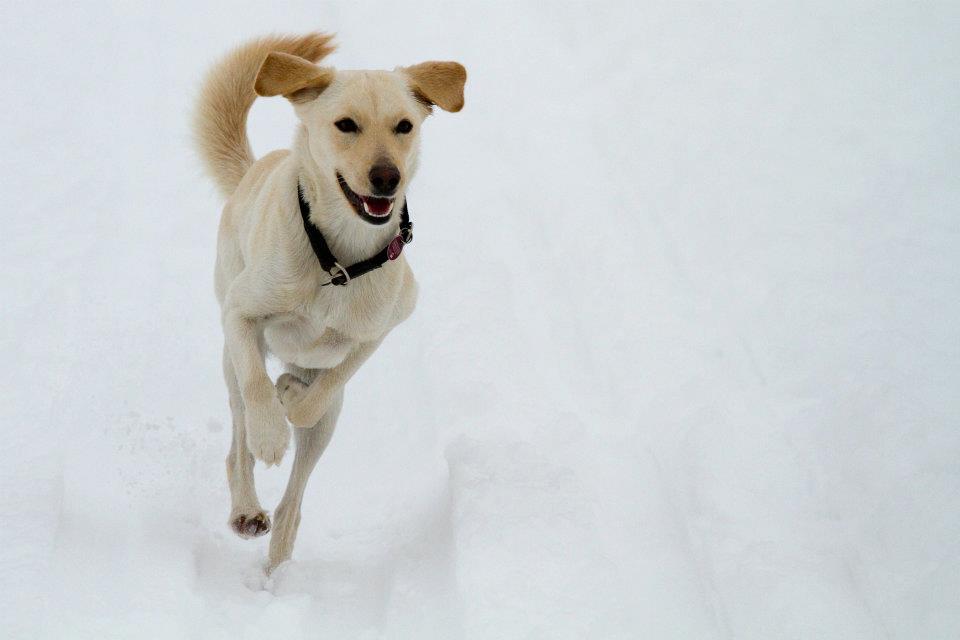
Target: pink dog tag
x=394, y=248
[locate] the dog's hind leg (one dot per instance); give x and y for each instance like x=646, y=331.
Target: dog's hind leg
x=247, y=517
x=310, y=444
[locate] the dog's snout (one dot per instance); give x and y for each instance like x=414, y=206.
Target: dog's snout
x=384, y=178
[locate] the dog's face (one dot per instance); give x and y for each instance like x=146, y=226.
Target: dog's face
x=363, y=127
x=364, y=132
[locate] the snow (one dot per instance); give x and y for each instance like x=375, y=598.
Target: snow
x=686, y=361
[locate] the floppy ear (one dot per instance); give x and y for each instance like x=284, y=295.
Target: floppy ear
x=438, y=83
x=294, y=78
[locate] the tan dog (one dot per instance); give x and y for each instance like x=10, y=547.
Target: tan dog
x=354, y=155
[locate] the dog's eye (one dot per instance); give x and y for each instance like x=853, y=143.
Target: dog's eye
x=347, y=125
x=404, y=126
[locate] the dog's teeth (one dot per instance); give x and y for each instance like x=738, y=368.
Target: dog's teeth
x=377, y=214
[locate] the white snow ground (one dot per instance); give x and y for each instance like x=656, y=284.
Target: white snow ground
x=686, y=362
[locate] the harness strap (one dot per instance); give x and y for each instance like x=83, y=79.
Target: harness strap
x=340, y=275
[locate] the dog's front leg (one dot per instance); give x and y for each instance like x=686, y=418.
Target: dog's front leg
x=266, y=426
x=313, y=401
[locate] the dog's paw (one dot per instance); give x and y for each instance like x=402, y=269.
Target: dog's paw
x=250, y=525
x=289, y=389
x=267, y=432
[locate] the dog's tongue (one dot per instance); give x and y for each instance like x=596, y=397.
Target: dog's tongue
x=377, y=206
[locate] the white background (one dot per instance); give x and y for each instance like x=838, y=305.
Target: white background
x=686, y=361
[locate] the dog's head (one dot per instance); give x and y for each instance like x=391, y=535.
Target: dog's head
x=363, y=127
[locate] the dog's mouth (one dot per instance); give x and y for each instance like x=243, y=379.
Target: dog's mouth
x=371, y=208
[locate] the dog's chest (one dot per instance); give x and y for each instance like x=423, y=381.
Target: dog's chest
x=297, y=340
x=322, y=334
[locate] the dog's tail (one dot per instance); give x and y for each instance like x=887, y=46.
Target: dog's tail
x=220, y=121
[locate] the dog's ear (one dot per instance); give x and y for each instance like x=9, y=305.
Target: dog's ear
x=438, y=83
x=294, y=78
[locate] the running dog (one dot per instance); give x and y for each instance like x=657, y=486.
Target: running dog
x=309, y=263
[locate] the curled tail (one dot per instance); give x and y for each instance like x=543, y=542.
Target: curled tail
x=220, y=121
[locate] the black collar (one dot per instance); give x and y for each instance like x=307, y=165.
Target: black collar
x=340, y=275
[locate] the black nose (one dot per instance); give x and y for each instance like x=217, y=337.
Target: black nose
x=384, y=178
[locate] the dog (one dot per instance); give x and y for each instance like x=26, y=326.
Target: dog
x=291, y=221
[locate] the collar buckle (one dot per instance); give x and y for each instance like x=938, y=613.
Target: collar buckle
x=339, y=279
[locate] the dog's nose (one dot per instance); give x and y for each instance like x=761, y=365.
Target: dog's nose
x=384, y=178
